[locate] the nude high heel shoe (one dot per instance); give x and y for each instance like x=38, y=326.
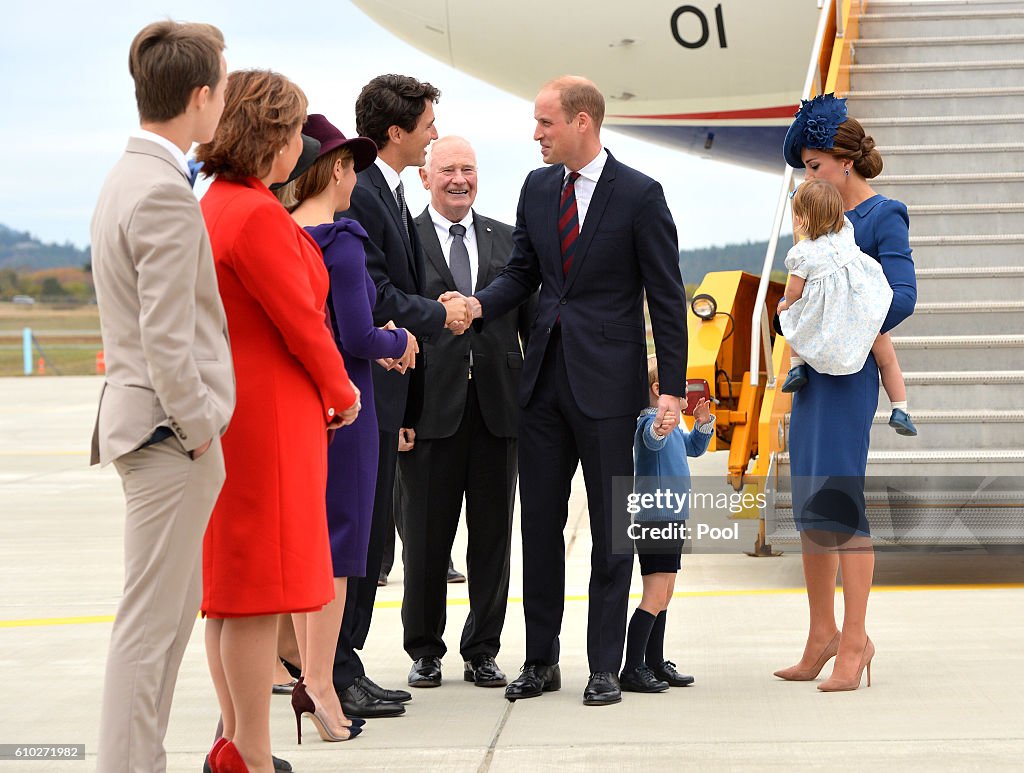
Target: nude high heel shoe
x=838, y=685
x=796, y=674
x=305, y=704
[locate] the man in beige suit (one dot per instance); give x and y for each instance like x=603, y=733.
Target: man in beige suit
x=169, y=390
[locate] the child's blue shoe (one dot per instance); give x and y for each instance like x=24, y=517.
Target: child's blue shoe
x=900, y=421
x=795, y=379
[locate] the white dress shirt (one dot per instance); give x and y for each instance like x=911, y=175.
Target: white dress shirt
x=391, y=177
x=586, y=183
x=442, y=226
x=169, y=146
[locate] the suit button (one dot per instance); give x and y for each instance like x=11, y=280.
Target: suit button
x=330, y=412
x=547, y=330
x=563, y=301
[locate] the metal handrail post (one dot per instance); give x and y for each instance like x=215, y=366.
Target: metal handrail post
x=756, y=325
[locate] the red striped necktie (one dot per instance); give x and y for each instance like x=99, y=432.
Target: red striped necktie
x=568, y=221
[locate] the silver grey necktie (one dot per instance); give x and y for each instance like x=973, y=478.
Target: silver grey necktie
x=403, y=208
x=458, y=260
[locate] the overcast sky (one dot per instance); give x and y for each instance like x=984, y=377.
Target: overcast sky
x=69, y=106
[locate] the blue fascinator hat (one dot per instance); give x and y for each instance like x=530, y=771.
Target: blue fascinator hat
x=815, y=127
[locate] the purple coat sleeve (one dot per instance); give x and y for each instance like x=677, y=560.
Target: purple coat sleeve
x=346, y=263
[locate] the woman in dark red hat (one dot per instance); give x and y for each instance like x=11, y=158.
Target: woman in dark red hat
x=352, y=457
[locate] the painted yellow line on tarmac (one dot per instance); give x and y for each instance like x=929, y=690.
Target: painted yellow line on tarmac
x=461, y=602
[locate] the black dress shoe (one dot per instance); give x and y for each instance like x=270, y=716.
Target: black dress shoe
x=484, y=672
x=602, y=689
x=425, y=672
x=283, y=766
x=666, y=672
x=378, y=692
x=641, y=679
x=534, y=679
x=357, y=702
x=455, y=576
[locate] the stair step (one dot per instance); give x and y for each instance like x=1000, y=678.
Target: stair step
x=892, y=491
x=882, y=102
x=930, y=6
x=968, y=249
x=914, y=526
x=911, y=76
x=967, y=283
x=965, y=209
x=936, y=23
x=968, y=157
x=936, y=129
x=955, y=390
x=980, y=317
x=958, y=455
x=919, y=50
x=951, y=189
x=957, y=467
x=990, y=429
x=969, y=352
x=963, y=377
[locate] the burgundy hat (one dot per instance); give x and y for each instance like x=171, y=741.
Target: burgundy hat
x=363, y=149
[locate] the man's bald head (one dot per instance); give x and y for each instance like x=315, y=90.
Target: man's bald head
x=450, y=176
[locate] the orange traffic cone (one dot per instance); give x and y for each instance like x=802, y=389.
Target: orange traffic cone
x=101, y=363
x=42, y=366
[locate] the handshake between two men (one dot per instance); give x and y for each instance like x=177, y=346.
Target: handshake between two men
x=460, y=312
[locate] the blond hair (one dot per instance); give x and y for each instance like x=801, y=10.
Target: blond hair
x=652, y=371
x=819, y=206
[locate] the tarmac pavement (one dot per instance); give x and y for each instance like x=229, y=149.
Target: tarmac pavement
x=946, y=691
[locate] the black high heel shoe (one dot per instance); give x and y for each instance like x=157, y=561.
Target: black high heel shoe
x=304, y=703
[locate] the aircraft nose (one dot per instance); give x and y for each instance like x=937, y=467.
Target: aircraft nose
x=421, y=23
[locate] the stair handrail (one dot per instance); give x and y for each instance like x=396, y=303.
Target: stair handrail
x=760, y=323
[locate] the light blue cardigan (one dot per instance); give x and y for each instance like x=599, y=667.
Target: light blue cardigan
x=661, y=462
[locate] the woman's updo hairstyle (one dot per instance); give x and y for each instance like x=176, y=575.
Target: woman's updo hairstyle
x=851, y=143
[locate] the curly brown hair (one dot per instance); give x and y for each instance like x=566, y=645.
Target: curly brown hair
x=392, y=100
x=262, y=110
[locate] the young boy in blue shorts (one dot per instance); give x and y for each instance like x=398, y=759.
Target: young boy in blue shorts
x=660, y=458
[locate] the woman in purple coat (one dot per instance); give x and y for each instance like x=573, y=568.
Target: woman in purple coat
x=352, y=457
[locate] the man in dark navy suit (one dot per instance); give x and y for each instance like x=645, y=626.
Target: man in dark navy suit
x=397, y=113
x=595, y=236
x=465, y=443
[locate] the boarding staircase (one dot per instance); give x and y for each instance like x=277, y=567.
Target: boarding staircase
x=940, y=86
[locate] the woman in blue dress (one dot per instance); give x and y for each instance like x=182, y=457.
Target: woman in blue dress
x=352, y=456
x=831, y=416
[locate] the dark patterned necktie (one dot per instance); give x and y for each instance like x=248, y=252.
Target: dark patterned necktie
x=458, y=260
x=403, y=208
x=568, y=221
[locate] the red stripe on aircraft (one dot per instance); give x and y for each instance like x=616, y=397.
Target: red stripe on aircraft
x=786, y=111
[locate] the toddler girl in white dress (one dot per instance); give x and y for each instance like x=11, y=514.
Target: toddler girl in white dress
x=836, y=300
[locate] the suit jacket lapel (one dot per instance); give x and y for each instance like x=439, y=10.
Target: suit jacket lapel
x=388, y=197
x=602, y=193
x=484, y=248
x=432, y=247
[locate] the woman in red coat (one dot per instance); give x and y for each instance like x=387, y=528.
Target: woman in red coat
x=266, y=550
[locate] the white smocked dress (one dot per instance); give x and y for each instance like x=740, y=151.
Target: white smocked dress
x=845, y=300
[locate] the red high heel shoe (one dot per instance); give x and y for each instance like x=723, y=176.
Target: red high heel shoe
x=214, y=751
x=229, y=760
